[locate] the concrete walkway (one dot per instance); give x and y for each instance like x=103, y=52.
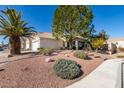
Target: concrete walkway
x=107, y=75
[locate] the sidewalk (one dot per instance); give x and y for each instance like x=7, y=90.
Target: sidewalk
x=107, y=75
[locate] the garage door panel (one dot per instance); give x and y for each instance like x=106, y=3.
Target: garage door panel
x=49, y=43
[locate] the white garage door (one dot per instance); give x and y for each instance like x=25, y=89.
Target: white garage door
x=35, y=45
x=50, y=43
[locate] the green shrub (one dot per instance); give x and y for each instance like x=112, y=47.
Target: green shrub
x=45, y=51
x=120, y=56
x=62, y=48
x=81, y=55
x=67, y=69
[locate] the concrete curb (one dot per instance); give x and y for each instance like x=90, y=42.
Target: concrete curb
x=119, y=76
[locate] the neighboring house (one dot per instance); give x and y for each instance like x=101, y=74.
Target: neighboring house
x=115, y=43
x=119, y=42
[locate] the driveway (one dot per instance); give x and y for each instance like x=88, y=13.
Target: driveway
x=4, y=55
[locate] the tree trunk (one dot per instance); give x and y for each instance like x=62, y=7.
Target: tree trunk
x=15, y=45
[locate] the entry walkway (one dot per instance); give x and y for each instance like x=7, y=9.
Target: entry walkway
x=107, y=75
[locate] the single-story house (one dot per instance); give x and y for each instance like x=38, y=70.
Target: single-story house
x=114, y=43
x=40, y=40
x=46, y=40
x=119, y=42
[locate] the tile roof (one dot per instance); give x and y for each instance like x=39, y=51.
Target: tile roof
x=45, y=35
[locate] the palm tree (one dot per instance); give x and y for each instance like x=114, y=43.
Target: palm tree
x=13, y=27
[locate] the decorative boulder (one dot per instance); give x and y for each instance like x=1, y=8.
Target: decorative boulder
x=105, y=59
x=3, y=66
x=49, y=60
x=10, y=56
x=66, y=55
x=55, y=53
x=109, y=52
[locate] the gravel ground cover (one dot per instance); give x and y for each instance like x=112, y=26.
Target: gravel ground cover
x=35, y=72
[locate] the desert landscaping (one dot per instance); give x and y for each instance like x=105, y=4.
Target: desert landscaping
x=71, y=54
x=34, y=71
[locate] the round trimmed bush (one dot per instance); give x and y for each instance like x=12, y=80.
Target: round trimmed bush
x=67, y=69
x=81, y=55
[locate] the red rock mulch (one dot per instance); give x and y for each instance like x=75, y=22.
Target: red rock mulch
x=35, y=72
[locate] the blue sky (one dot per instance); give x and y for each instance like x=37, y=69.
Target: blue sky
x=109, y=18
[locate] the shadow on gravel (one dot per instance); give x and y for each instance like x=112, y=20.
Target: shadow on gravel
x=2, y=70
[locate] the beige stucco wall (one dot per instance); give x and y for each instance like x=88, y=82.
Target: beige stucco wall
x=22, y=43
x=37, y=42
x=50, y=43
x=117, y=43
x=25, y=43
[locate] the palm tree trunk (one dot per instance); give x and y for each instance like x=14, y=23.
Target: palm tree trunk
x=15, y=45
